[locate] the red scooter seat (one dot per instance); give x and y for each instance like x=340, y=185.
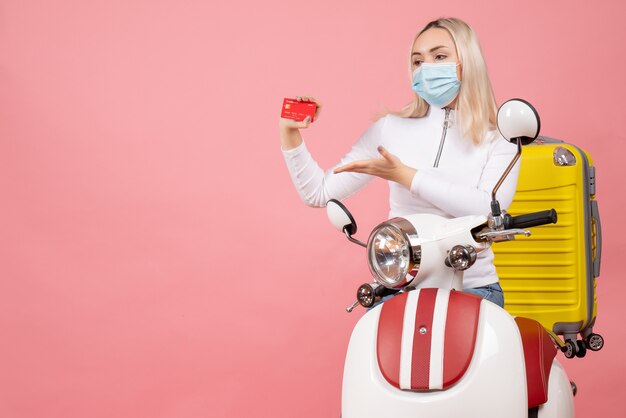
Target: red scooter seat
x=539, y=352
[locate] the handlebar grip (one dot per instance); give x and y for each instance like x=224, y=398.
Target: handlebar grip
x=529, y=220
x=382, y=291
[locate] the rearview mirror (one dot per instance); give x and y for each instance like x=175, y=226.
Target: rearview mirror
x=518, y=119
x=518, y=122
x=340, y=217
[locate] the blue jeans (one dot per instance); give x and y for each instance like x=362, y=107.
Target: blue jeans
x=491, y=292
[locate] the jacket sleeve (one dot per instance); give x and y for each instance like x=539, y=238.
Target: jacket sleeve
x=316, y=186
x=462, y=200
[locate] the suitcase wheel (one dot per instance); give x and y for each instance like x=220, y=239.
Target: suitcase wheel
x=569, y=349
x=595, y=342
x=581, y=349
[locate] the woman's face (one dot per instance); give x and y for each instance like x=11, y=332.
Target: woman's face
x=434, y=46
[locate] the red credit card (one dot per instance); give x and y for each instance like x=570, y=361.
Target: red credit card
x=293, y=109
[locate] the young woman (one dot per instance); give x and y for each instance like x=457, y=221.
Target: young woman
x=441, y=153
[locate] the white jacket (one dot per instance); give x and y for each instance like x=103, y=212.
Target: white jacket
x=460, y=185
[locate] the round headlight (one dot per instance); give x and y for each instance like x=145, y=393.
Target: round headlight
x=393, y=260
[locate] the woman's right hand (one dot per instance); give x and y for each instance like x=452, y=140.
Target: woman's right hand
x=290, y=129
x=294, y=124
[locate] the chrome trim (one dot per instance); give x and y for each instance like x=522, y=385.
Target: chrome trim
x=563, y=157
x=446, y=122
x=409, y=233
x=507, y=171
x=350, y=308
x=366, y=294
x=504, y=235
x=461, y=257
x=353, y=240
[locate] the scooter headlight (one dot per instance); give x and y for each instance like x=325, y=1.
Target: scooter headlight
x=394, y=253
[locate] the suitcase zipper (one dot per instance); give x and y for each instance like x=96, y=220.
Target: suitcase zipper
x=446, y=122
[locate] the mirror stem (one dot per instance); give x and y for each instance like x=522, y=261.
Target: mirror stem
x=495, y=206
x=356, y=241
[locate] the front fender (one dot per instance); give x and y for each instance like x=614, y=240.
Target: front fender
x=494, y=384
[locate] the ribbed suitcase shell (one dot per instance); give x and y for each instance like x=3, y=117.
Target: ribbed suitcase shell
x=550, y=276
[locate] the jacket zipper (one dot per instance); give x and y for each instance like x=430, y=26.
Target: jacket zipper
x=446, y=122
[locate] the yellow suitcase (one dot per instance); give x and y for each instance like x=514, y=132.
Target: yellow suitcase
x=551, y=275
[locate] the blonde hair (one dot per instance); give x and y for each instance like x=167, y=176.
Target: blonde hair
x=476, y=104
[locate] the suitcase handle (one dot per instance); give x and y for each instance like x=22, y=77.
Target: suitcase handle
x=595, y=215
x=529, y=220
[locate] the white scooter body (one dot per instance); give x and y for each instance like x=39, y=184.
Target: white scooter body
x=494, y=384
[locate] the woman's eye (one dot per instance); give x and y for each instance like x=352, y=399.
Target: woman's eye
x=440, y=57
x=417, y=63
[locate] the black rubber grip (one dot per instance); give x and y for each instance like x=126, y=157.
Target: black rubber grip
x=529, y=220
x=382, y=291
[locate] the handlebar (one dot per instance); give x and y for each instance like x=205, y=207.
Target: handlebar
x=382, y=291
x=529, y=220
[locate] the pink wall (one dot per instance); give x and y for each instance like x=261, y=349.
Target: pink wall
x=155, y=259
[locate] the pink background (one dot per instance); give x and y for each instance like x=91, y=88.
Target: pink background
x=155, y=259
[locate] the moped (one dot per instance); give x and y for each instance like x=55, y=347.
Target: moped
x=424, y=348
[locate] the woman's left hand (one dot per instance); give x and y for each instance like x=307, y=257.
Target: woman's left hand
x=388, y=167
